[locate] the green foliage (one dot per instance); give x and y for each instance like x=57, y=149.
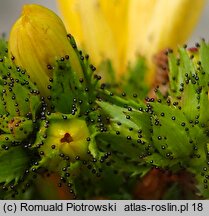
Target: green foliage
x=176, y=130
x=69, y=88
x=13, y=164
x=134, y=82
x=125, y=136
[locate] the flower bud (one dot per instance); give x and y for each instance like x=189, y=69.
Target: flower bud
x=65, y=136
x=36, y=40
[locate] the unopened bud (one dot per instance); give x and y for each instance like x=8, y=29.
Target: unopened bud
x=36, y=40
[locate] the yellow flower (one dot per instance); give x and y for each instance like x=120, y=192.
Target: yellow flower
x=36, y=40
x=120, y=30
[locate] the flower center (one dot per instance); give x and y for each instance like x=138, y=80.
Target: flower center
x=67, y=138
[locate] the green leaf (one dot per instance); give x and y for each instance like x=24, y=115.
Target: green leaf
x=135, y=79
x=13, y=164
x=117, y=114
x=63, y=88
x=171, y=132
x=155, y=159
x=186, y=64
x=204, y=57
x=106, y=70
x=173, y=73
x=189, y=101
x=201, y=176
x=120, y=145
x=3, y=47
x=16, y=90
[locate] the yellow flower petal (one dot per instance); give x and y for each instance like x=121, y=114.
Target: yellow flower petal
x=69, y=9
x=122, y=29
x=116, y=15
x=158, y=24
x=36, y=40
x=94, y=34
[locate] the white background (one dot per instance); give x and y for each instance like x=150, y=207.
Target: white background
x=10, y=11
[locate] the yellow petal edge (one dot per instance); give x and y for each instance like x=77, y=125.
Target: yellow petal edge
x=121, y=30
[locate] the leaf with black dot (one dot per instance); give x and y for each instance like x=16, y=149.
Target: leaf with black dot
x=134, y=80
x=117, y=114
x=174, y=73
x=13, y=164
x=202, y=178
x=16, y=90
x=158, y=160
x=186, y=63
x=189, y=101
x=142, y=120
x=204, y=104
x=63, y=87
x=3, y=47
x=204, y=58
x=123, y=147
x=170, y=131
